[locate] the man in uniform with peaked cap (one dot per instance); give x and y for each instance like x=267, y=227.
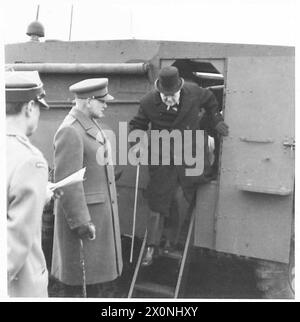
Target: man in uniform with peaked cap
x=86, y=217
x=27, y=176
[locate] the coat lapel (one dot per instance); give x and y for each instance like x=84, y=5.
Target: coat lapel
x=160, y=105
x=185, y=105
x=89, y=126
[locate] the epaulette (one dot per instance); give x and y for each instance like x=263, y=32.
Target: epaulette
x=31, y=147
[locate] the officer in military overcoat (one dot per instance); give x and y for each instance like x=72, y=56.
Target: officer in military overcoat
x=27, y=176
x=88, y=210
x=173, y=104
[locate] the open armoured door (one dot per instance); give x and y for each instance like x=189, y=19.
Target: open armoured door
x=255, y=205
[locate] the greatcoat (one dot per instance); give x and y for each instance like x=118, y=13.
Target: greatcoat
x=78, y=143
x=198, y=109
x=27, y=176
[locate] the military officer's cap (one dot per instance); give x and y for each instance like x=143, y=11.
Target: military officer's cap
x=95, y=88
x=24, y=86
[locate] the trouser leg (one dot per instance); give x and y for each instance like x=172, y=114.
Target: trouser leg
x=178, y=213
x=106, y=289
x=72, y=290
x=154, y=228
x=154, y=233
x=102, y=290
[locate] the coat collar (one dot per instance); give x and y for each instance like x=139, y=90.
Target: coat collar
x=185, y=103
x=14, y=131
x=88, y=124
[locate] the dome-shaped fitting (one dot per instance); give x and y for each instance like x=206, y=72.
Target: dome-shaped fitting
x=35, y=29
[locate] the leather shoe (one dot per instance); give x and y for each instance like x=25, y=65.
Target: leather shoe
x=168, y=248
x=148, y=256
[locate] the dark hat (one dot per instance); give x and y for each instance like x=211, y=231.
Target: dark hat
x=92, y=88
x=168, y=81
x=24, y=86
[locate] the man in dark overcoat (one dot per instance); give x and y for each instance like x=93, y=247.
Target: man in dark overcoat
x=173, y=105
x=87, y=241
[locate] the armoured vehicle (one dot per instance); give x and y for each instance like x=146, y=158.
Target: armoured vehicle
x=247, y=210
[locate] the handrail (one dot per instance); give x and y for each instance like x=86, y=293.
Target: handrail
x=82, y=68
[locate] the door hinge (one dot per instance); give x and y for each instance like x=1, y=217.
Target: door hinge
x=289, y=144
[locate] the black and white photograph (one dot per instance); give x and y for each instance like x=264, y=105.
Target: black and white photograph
x=148, y=150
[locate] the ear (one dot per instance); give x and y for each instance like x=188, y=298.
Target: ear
x=28, y=108
x=88, y=102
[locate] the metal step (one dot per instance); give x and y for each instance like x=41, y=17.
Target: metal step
x=174, y=254
x=151, y=283
x=155, y=289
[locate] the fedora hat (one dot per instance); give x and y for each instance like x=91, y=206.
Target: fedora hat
x=169, y=82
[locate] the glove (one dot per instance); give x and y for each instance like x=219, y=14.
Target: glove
x=86, y=231
x=50, y=194
x=222, y=128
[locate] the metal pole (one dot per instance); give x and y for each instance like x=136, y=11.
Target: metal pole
x=37, y=12
x=70, y=31
x=131, y=30
x=137, y=267
x=82, y=263
x=134, y=210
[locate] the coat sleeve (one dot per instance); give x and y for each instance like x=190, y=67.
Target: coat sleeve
x=27, y=196
x=68, y=158
x=140, y=121
x=211, y=106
